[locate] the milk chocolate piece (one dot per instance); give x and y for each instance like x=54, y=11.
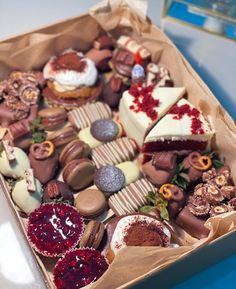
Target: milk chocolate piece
x=123, y=62
x=193, y=173
x=104, y=42
x=164, y=160
x=156, y=177
x=191, y=224
x=176, y=202
x=19, y=129
x=113, y=91
x=100, y=58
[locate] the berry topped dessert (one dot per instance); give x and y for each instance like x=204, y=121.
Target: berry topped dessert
x=54, y=229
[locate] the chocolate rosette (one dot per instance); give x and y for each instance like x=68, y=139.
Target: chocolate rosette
x=232, y=203
x=213, y=194
x=228, y=192
x=198, y=206
x=221, y=209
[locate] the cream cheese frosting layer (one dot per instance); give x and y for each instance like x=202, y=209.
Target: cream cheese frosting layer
x=173, y=128
x=137, y=124
x=73, y=79
x=117, y=241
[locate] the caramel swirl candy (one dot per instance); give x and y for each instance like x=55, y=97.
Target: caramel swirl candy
x=198, y=206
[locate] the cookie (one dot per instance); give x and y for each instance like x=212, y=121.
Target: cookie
x=75, y=149
x=131, y=198
x=92, y=235
x=114, y=152
x=91, y=203
x=78, y=174
x=109, y=179
x=83, y=116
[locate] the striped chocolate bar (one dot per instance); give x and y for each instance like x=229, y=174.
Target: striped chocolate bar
x=114, y=152
x=131, y=198
x=83, y=116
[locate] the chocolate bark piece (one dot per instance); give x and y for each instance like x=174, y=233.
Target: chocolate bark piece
x=44, y=169
x=123, y=62
x=220, y=209
x=113, y=91
x=191, y=224
x=19, y=129
x=83, y=116
x=114, y=152
x=176, y=202
x=164, y=160
x=104, y=42
x=198, y=205
x=59, y=192
x=156, y=176
x=131, y=198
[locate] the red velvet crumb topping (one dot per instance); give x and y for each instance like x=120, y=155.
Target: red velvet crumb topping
x=143, y=100
x=79, y=268
x=54, y=228
x=193, y=113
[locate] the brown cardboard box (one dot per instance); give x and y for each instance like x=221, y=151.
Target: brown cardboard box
x=32, y=50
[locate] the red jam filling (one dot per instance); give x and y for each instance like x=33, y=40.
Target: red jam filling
x=55, y=228
x=79, y=268
x=143, y=100
x=193, y=113
x=68, y=61
x=169, y=145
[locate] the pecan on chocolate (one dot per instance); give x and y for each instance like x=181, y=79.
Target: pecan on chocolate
x=198, y=206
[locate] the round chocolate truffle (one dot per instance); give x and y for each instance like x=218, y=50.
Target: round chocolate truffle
x=104, y=130
x=109, y=179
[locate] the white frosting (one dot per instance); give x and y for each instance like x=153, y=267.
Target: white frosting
x=136, y=124
x=117, y=241
x=169, y=128
x=70, y=78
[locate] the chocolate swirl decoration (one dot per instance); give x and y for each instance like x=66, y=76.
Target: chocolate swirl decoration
x=209, y=175
x=228, y=192
x=42, y=151
x=213, y=194
x=164, y=160
x=221, y=209
x=29, y=93
x=198, y=206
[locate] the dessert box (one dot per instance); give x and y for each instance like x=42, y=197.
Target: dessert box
x=32, y=50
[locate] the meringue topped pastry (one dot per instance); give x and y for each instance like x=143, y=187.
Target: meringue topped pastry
x=183, y=128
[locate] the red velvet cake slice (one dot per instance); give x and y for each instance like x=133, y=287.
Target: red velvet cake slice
x=54, y=229
x=183, y=128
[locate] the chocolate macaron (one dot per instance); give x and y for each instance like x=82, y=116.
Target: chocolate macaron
x=75, y=149
x=62, y=136
x=91, y=203
x=78, y=174
x=92, y=235
x=52, y=118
